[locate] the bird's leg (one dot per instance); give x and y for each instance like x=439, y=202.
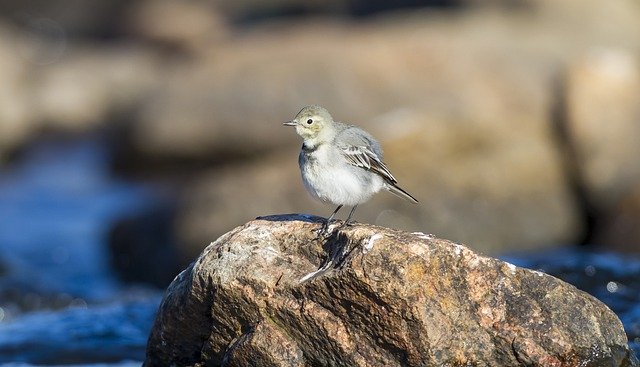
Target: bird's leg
x=349, y=222
x=334, y=213
x=325, y=226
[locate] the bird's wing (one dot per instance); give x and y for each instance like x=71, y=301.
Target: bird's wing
x=363, y=157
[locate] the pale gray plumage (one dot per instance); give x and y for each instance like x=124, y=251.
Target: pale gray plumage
x=340, y=163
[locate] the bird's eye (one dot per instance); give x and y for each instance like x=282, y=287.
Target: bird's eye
x=309, y=121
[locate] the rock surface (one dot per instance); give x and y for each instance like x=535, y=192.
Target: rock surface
x=463, y=110
x=268, y=293
x=620, y=231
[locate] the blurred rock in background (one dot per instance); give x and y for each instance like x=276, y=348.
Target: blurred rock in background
x=515, y=123
x=603, y=129
x=176, y=27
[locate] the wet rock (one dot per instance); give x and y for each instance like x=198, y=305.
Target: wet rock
x=613, y=278
x=270, y=292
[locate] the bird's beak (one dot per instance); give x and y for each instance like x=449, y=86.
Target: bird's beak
x=289, y=123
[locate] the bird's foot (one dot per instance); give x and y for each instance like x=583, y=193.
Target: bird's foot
x=325, y=230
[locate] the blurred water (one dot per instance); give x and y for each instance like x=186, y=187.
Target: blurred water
x=61, y=304
x=59, y=299
x=115, y=332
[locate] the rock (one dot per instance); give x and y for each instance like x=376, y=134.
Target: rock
x=480, y=183
x=470, y=142
x=504, y=188
x=224, y=198
x=448, y=65
x=142, y=248
x=253, y=11
x=177, y=26
x=88, y=87
x=474, y=101
x=618, y=229
x=76, y=19
x=15, y=113
x=603, y=122
x=48, y=85
x=269, y=293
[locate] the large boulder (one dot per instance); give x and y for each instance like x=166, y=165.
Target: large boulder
x=465, y=127
x=270, y=293
x=482, y=66
x=463, y=109
x=226, y=102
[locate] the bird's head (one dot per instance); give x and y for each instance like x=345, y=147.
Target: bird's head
x=312, y=122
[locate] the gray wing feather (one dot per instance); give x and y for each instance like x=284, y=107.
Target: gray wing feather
x=362, y=150
x=350, y=135
x=363, y=157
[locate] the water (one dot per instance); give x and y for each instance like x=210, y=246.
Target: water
x=114, y=332
x=61, y=304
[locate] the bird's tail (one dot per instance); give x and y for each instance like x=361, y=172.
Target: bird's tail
x=399, y=192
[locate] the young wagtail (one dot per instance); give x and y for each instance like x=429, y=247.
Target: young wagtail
x=340, y=163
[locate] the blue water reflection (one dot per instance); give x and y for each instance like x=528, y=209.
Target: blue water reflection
x=55, y=209
x=60, y=302
x=107, y=333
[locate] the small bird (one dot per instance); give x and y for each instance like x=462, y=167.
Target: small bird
x=340, y=163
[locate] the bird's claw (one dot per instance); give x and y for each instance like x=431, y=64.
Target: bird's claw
x=324, y=231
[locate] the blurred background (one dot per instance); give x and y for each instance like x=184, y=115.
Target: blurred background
x=134, y=133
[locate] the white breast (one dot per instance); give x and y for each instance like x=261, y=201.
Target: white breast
x=328, y=177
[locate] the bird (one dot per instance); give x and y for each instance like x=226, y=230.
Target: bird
x=341, y=163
